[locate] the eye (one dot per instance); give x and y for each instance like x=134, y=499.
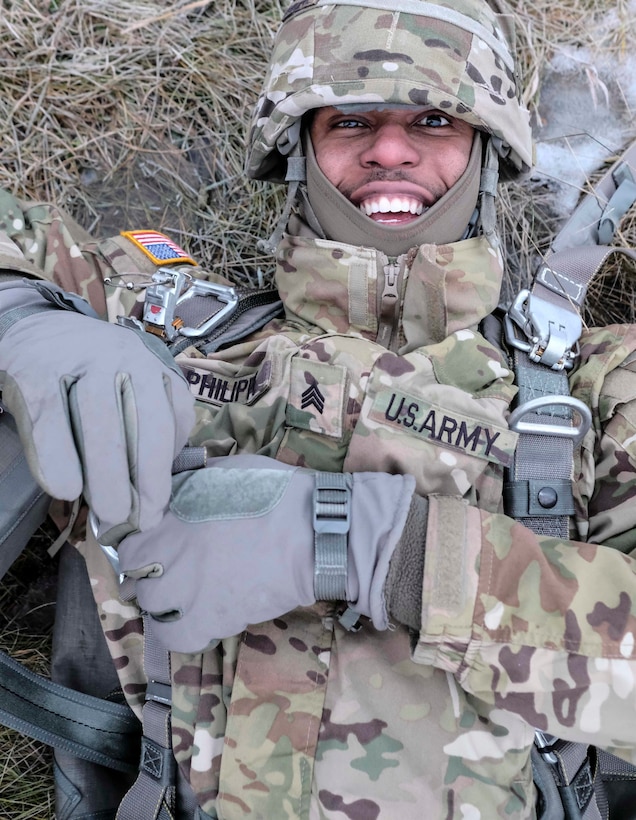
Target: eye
x=434, y=120
x=349, y=123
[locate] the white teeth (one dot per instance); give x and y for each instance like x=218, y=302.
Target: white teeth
x=395, y=204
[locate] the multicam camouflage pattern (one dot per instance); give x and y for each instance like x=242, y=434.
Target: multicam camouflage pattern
x=452, y=56
x=298, y=718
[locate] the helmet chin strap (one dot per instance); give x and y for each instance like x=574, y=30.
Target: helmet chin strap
x=448, y=220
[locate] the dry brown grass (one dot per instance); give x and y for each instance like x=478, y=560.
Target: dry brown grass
x=133, y=114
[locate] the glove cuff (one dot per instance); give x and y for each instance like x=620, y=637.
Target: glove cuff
x=403, y=589
x=380, y=506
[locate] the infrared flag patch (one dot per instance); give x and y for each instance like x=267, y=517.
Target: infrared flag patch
x=159, y=247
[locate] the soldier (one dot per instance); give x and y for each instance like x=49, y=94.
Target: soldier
x=356, y=627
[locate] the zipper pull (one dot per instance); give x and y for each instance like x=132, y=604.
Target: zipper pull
x=391, y=275
x=389, y=304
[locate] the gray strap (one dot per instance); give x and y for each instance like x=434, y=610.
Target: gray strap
x=620, y=202
x=153, y=794
x=539, y=488
x=602, y=208
x=332, y=520
x=88, y=727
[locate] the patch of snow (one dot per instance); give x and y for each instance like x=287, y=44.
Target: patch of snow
x=587, y=105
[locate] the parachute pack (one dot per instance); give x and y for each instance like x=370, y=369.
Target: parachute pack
x=101, y=738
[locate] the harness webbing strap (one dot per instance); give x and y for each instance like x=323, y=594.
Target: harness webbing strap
x=91, y=728
x=539, y=486
x=602, y=208
x=153, y=794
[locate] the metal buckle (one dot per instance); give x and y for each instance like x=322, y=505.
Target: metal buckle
x=553, y=332
x=331, y=505
x=161, y=300
x=159, y=692
x=576, y=433
x=544, y=744
x=172, y=287
x=224, y=293
x=109, y=551
x=331, y=520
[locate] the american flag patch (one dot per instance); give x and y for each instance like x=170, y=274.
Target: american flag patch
x=159, y=247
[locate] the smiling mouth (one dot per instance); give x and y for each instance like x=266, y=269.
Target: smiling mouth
x=392, y=209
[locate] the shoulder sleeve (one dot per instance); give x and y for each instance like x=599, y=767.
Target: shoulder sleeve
x=52, y=246
x=43, y=241
x=534, y=625
x=612, y=506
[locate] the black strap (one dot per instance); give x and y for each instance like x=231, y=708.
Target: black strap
x=94, y=729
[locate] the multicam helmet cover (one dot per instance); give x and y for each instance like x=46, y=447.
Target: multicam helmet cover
x=452, y=56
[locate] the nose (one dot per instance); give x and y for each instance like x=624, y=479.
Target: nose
x=390, y=147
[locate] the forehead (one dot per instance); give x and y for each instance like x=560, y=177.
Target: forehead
x=370, y=110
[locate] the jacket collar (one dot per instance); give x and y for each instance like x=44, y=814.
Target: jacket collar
x=437, y=289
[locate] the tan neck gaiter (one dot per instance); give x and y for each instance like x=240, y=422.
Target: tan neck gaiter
x=342, y=221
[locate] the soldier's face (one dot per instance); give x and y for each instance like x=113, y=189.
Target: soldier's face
x=392, y=164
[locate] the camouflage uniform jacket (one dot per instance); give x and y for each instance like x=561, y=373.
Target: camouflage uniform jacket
x=299, y=718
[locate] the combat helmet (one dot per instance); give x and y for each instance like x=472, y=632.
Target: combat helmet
x=370, y=53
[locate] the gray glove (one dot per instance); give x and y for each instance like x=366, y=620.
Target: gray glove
x=236, y=547
x=101, y=409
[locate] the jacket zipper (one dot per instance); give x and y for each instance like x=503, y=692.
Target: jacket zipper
x=389, y=303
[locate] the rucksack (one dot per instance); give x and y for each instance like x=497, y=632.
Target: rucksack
x=97, y=737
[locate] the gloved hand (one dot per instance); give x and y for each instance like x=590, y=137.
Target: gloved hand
x=236, y=547
x=100, y=409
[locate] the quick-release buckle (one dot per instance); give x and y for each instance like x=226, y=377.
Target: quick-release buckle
x=553, y=332
x=159, y=692
x=173, y=288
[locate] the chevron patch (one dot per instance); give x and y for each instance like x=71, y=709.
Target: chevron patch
x=318, y=397
x=313, y=397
